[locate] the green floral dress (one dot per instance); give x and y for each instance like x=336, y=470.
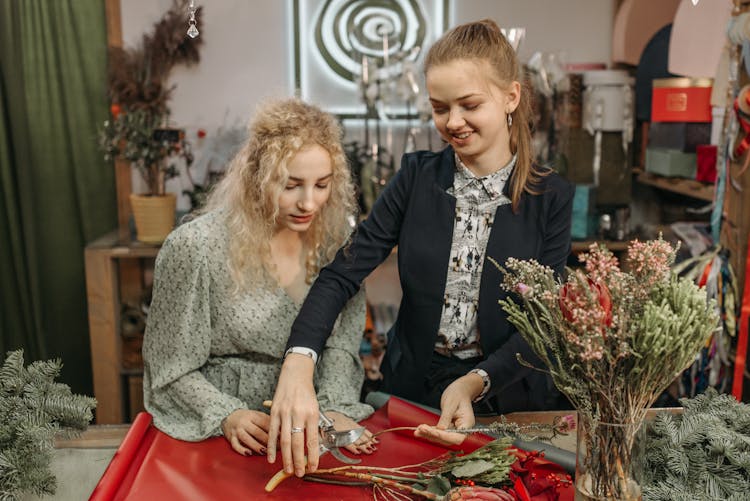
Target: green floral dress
x=208, y=351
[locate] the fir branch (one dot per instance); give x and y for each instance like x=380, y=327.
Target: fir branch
x=33, y=409
x=703, y=453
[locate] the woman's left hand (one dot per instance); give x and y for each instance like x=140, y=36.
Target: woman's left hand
x=456, y=411
x=365, y=444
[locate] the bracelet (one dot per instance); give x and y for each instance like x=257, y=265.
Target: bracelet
x=301, y=350
x=485, y=383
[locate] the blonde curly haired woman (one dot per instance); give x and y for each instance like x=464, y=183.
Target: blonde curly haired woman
x=229, y=283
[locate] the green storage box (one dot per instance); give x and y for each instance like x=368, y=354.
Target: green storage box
x=584, y=212
x=671, y=163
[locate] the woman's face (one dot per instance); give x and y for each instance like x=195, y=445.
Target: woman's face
x=308, y=188
x=470, y=112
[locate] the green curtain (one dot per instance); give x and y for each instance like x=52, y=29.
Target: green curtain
x=56, y=192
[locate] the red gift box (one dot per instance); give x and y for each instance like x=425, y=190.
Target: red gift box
x=706, y=171
x=681, y=100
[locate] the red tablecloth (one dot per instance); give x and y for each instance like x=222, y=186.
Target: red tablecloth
x=150, y=465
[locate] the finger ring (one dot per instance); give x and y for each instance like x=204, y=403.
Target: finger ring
x=297, y=430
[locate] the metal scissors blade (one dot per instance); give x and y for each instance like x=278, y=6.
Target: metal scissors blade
x=331, y=439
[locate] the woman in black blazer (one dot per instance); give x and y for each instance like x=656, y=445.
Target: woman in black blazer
x=447, y=212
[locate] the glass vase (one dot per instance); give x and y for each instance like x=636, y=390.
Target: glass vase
x=609, y=460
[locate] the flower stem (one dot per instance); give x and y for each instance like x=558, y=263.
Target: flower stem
x=398, y=428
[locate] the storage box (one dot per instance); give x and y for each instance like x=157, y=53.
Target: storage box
x=706, y=163
x=681, y=100
x=584, y=212
x=671, y=163
x=683, y=136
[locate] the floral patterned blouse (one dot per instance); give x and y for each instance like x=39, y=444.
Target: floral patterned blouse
x=208, y=351
x=477, y=200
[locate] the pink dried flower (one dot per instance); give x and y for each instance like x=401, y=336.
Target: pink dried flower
x=574, y=295
x=523, y=289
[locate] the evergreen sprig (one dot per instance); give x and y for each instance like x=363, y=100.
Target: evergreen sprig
x=33, y=410
x=703, y=454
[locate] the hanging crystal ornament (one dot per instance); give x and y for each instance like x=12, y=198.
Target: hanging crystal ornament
x=192, y=30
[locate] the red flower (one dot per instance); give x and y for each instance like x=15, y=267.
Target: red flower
x=201, y=133
x=571, y=295
x=115, y=110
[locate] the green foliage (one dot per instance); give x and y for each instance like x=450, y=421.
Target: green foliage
x=702, y=454
x=139, y=137
x=33, y=410
x=474, y=465
x=139, y=87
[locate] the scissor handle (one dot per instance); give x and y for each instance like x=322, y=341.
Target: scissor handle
x=324, y=422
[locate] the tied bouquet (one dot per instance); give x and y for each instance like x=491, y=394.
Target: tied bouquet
x=612, y=339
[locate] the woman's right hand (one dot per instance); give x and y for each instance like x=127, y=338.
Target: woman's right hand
x=247, y=431
x=295, y=406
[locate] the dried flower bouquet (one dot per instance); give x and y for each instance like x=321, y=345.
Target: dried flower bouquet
x=612, y=341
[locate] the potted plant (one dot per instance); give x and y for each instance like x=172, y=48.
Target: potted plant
x=140, y=137
x=138, y=129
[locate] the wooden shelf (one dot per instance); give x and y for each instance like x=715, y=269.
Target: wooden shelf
x=114, y=274
x=687, y=187
x=114, y=247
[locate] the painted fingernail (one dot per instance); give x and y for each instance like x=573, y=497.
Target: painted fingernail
x=248, y=453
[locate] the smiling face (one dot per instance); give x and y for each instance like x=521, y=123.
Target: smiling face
x=470, y=112
x=307, y=190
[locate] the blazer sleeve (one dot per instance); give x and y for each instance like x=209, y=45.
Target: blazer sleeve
x=371, y=243
x=177, y=344
x=502, y=365
x=340, y=371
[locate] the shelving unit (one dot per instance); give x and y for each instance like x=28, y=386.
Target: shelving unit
x=687, y=187
x=114, y=274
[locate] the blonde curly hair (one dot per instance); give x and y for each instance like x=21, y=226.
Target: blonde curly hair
x=248, y=194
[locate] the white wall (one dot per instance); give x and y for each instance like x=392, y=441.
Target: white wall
x=580, y=28
x=247, y=50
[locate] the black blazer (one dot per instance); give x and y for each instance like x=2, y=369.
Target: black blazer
x=415, y=212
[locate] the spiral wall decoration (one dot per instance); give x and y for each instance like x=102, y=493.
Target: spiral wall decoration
x=347, y=30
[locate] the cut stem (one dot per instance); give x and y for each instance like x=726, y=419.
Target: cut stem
x=398, y=428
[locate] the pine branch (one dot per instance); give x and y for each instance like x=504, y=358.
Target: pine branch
x=33, y=409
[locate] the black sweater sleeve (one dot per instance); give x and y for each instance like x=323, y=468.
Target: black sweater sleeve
x=371, y=243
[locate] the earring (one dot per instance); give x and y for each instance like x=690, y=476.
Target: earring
x=510, y=120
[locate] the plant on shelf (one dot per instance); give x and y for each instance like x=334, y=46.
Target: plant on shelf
x=138, y=129
x=33, y=409
x=139, y=136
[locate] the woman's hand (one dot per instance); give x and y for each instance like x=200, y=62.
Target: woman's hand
x=295, y=406
x=246, y=431
x=456, y=411
x=364, y=444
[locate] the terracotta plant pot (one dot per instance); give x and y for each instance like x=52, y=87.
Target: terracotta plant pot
x=154, y=216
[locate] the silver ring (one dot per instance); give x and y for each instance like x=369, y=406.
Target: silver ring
x=297, y=430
